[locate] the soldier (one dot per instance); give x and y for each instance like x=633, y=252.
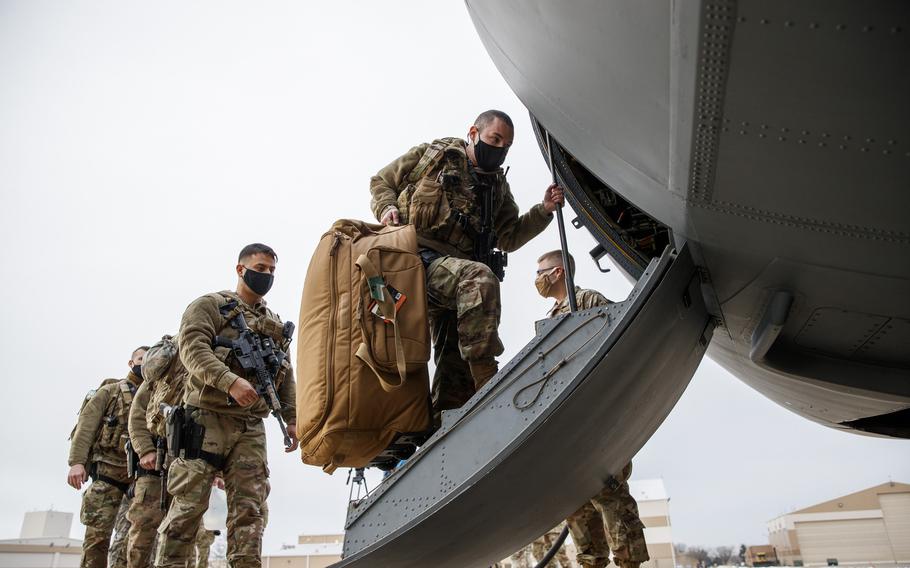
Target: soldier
x=611, y=518
x=542, y=545
x=226, y=411
x=456, y=195
x=116, y=556
x=539, y=548
x=97, y=451
x=145, y=509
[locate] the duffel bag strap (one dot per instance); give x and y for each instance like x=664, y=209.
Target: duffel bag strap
x=380, y=293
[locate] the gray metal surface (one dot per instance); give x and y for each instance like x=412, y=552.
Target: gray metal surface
x=505, y=468
x=771, y=135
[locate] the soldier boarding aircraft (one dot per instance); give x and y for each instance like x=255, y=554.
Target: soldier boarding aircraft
x=747, y=163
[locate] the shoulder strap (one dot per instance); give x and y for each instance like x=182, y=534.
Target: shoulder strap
x=388, y=312
x=229, y=305
x=127, y=390
x=430, y=158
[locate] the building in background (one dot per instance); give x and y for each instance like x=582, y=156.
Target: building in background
x=43, y=542
x=761, y=555
x=311, y=551
x=870, y=528
x=654, y=510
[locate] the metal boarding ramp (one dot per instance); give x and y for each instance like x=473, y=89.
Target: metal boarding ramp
x=571, y=409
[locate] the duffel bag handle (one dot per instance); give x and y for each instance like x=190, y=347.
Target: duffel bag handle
x=355, y=228
x=387, y=311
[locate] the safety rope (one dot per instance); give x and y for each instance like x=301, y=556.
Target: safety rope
x=542, y=381
x=505, y=384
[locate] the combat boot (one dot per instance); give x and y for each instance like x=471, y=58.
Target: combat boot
x=483, y=371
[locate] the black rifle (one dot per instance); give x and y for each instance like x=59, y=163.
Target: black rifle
x=485, y=250
x=258, y=353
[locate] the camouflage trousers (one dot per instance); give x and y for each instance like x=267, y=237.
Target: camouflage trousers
x=241, y=442
x=464, y=311
x=610, y=520
x=100, y=504
x=116, y=556
x=539, y=548
x=145, y=516
x=204, y=540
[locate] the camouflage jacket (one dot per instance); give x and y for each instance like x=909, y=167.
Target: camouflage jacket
x=585, y=299
x=140, y=435
x=396, y=183
x=212, y=370
x=101, y=431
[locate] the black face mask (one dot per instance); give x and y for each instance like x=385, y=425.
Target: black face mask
x=489, y=157
x=259, y=282
x=137, y=370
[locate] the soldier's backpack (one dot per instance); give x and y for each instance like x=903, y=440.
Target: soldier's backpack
x=166, y=377
x=363, y=345
x=88, y=397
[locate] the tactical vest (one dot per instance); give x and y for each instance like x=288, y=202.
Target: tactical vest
x=268, y=324
x=113, y=433
x=437, y=198
x=88, y=397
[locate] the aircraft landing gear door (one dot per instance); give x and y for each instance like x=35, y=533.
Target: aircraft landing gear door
x=573, y=407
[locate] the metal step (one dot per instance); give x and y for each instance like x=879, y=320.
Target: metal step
x=528, y=449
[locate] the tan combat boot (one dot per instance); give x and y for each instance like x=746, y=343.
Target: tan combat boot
x=483, y=371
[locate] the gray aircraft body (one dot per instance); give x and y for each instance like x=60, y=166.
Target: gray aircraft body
x=774, y=138
x=748, y=165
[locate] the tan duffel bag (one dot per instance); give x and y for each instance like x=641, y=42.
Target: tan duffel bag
x=363, y=345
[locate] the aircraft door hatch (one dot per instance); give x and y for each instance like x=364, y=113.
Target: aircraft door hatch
x=629, y=235
x=572, y=408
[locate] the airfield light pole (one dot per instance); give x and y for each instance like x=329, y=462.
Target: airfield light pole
x=566, y=265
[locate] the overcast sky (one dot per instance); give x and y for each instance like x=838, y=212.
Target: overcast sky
x=143, y=144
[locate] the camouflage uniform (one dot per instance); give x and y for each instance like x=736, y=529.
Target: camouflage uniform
x=97, y=443
x=612, y=513
x=539, y=548
x=145, y=512
x=520, y=559
x=584, y=299
x=204, y=540
x=116, y=556
x=234, y=439
x=464, y=295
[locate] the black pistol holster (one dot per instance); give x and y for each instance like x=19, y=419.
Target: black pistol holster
x=189, y=439
x=174, y=424
x=132, y=460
